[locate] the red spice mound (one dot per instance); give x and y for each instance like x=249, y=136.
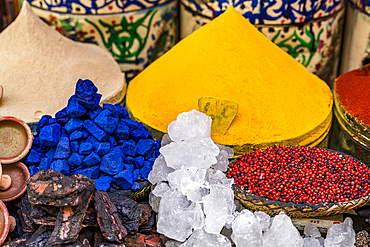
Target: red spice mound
x=301, y=175
x=353, y=90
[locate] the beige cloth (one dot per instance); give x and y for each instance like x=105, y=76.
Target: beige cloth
x=39, y=68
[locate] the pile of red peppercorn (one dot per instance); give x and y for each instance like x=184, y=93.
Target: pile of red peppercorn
x=301, y=175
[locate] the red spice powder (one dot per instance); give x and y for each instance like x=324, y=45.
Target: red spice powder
x=353, y=89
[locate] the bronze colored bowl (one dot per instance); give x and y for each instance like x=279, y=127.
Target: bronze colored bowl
x=19, y=175
x=15, y=139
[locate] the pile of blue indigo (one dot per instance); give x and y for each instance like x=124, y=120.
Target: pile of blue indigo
x=102, y=143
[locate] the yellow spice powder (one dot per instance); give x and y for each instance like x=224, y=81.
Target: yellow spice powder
x=280, y=101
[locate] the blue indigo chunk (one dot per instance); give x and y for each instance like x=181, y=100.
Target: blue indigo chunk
x=124, y=179
x=132, y=124
x=86, y=93
x=50, y=153
x=113, y=109
x=42, y=122
x=122, y=131
x=145, y=146
x=112, y=142
x=103, y=182
x=93, y=113
x=122, y=111
x=129, y=167
x=33, y=170
x=128, y=148
x=95, y=130
x=130, y=160
x=144, y=172
x=75, y=160
x=102, y=148
x=46, y=163
x=63, y=150
x=62, y=116
x=73, y=125
x=74, y=108
x=91, y=160
x=139, y=162
x=91, y=172
x=52, y=121
x=140, y=133
x=49, y=135
x=60, y=166
x=85, y=148
x=75, y=146
x=111, y=163
x=107, y=121
x=34, y=157
x=135, y=175
x=76, y=135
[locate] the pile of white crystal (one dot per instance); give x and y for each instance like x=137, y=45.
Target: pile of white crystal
x=192, y=195
x=195, y=202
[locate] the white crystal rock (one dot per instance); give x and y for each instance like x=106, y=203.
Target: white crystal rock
x=311, y=242
x=161, y=189
x=341, y=235
x=159, y=171
x=214, y=176
x=191, y=182
x=189, y=125
x=264, y=219
x=196, y=152
x=310, y=230
x=172, y=243
x=175, y=216
x=223, y=158
x=247, y=230
x=165, y=140
x=154, y=202
x=201, y=238
x=218, y=207
x=199, y=217
x=282, y=233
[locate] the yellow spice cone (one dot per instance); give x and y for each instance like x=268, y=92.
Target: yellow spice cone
x=280, y=101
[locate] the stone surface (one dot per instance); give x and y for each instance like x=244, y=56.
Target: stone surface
x=311, y=242
x=204, y=239
x=310, y=230
x=264, y=219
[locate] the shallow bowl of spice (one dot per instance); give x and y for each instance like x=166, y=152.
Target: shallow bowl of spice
x=301, y=181
x=351, y=125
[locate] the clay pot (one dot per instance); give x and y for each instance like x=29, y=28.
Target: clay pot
x=15, y=139
x=19, y=174
x=7, y=222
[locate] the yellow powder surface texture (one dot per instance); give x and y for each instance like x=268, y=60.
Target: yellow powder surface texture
x=280, y=101
x=39, y=68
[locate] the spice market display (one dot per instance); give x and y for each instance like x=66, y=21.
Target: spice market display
x=224, y=141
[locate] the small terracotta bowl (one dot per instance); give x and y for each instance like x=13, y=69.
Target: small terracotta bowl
x=19, y=174
x=15, y=139
x=4, y=222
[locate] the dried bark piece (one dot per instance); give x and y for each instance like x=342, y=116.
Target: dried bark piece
x=24, y=214
x=108, y=220
x=19, y=242
x=90, y=217
x=84, y=239
x=45, y=215
x=49, y=187
x=100, y=241
x=151, y=240
x=40, y=237
x=150, y=225
x=146, y=211
x=69, y=221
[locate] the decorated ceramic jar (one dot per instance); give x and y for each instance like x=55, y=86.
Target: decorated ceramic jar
x=310, y=31
x=356, y=39
x=134, y=32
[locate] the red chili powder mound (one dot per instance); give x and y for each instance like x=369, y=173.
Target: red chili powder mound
x=353, y=89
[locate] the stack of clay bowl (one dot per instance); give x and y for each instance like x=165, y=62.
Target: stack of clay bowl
x=134, y=32
x=40, y=67
x=310, y=31
x=230, y=63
